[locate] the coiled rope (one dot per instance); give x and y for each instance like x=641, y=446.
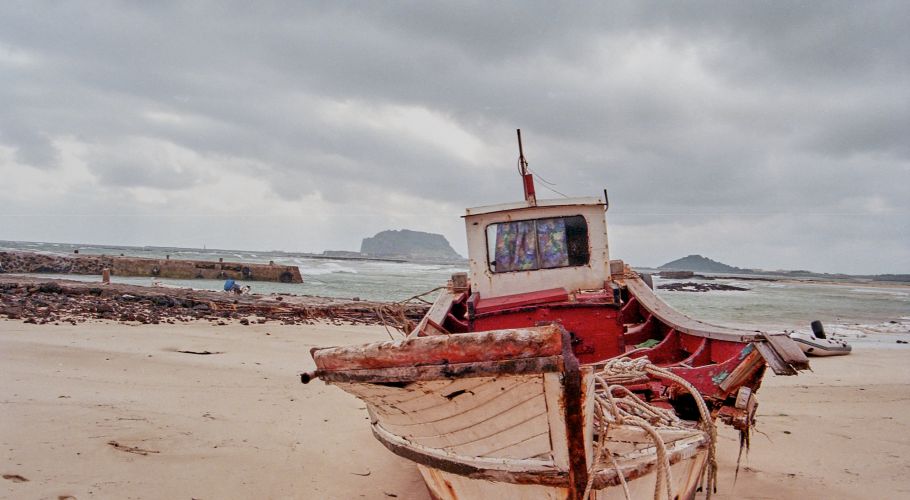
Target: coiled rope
x=617, y=405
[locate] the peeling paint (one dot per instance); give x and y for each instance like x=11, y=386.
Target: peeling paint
x=720, y=377
x=746, y=350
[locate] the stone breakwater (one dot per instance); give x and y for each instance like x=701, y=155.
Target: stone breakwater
x=34, y=300
x=29, y=262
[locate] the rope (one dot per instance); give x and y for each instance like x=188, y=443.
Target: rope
x=706, y=422
x=397, y=312
x=617, y=405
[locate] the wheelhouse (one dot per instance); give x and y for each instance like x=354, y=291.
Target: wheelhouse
x=523, y=247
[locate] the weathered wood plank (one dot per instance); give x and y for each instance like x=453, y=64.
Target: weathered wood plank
x=777, y=364
x=441, y=307
x=555, y=402
x=493, y=345
x=437, y=398
x=452, y=403
x=492, y=434
x=416, y=390
x=444, y=371
x=789, y=352
x=743, y=371
x=528, y=471
x=518, y=433
x=532, y=446
x=474, y=425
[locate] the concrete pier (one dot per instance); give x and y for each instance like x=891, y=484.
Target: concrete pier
x=28, y=262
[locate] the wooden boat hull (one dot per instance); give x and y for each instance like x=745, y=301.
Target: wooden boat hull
x=726, y=365
x=443, y=485
x=506, y=412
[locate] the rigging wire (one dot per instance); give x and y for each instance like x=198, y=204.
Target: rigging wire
x=541, y=179
x=555, y=191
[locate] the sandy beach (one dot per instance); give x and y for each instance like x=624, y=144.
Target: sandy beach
x=108, y=410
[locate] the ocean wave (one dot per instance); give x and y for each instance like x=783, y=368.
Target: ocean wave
x=882, y=291
x=326, y=268
x=859, y=330
x=398, y=267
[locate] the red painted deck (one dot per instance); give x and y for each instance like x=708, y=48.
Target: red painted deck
x=485, y=306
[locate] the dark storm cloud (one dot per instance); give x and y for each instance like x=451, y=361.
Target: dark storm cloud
x=689, y=112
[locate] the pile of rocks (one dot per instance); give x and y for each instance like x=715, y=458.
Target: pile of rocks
x=691, y=286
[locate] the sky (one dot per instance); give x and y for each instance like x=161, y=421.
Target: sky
x=769, y=135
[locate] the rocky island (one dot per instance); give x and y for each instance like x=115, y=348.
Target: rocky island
x=411, y=245
x=698, y=263
x=403, y=245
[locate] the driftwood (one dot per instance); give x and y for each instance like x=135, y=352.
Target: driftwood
x=131, y=449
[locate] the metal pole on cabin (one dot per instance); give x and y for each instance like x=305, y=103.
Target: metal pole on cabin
x=526, y=178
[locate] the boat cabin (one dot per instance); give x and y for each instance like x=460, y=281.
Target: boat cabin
x=545, y=261
x=523, y=248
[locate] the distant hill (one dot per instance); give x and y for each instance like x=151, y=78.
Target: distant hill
x=701, y=264
x=412, y=245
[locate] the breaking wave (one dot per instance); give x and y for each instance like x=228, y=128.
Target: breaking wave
x=326, y=268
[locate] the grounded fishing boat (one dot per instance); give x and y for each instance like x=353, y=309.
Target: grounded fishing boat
x=551, y=371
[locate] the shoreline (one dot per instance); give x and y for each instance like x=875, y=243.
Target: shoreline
x=237, y=423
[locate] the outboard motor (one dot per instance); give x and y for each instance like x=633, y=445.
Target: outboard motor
x=818, y=330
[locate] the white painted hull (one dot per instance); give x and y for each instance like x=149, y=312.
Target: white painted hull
x=512, y=427
x=446, y=486
x=508, y=413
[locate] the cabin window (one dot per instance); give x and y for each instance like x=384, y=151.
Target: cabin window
x=527, y=245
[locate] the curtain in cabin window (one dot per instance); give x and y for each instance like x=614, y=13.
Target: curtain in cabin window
x=551, y=243
x=516, y=246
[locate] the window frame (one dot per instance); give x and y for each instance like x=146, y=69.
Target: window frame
x=491, y=258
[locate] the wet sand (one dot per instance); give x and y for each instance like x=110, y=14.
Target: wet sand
x=107, y=410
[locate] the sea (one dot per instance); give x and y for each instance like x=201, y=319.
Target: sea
x=862, y=311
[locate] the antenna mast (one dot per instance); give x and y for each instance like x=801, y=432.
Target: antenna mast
x=527, y=178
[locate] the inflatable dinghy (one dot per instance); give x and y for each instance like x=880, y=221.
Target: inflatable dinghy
x=818, y=344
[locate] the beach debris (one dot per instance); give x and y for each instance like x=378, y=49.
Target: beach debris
x=200, y=353
x=16, y=478
x=362, y=474
x=39, y=301
x=131, y=449
x=901, y=341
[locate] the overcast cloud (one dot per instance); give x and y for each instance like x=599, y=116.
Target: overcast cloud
x=761, y=134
